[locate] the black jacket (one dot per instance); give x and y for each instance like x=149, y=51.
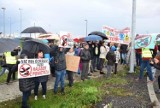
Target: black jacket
x=60, y=61
x=111, y=57
x=94, y=51
x=54, y=49
x=123, y=48
x=91, y=51
x=85, y=55
x=26, y=84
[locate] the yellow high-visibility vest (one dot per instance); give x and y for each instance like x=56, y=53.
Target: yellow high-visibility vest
x=146, y=53
x=9, y=58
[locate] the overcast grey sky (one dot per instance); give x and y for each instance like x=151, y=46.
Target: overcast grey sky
x=69, y=15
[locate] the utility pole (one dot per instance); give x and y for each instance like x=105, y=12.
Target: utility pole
x=132, y=58
x=86, y=26
x=3, y=8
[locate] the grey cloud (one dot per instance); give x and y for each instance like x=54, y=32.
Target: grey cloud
x=69, y=15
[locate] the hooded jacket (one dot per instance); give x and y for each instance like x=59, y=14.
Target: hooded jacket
x=111, y=57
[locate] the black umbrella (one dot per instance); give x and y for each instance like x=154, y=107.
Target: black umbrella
x=34, y=30
x=31, y=47
x=99, y=34
x=8, y=44
x=25, y=38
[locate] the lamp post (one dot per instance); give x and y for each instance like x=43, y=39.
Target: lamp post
x=20, y=11
x=3, y=8
x=133, y=36
x=86, y=25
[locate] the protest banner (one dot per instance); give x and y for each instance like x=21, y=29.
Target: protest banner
x=72, y=63
x=117, y=36
x=29, y=68
x=65, y=40
x=158, y=39
x=145, y=41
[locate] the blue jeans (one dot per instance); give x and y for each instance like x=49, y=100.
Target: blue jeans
x=124, y=56
x=60, y=77
x=3, y=71
x=146, y=64
x=25, y=96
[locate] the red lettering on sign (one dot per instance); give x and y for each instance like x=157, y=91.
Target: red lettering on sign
x=39, y=68
x=39, y=73
x=114, y=38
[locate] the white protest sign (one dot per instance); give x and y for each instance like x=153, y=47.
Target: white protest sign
x=29, y=68
x=66, y=40
x=117, y=36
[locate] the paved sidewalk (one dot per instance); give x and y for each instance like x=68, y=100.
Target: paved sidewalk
x=11, y=91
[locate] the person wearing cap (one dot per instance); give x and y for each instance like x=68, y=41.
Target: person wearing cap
x=111, y=57
x=85, y=58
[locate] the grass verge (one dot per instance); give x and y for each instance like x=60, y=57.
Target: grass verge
x=3, y=77
x=81, y=95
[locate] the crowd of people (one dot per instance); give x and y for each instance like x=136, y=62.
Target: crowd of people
x=94, y=57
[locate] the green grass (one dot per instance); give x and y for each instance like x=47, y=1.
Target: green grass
x=81, y=95
x=3, y=77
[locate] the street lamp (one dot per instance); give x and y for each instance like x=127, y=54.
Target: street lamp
x=20, y=10
x=86, y=25
x=3, y=8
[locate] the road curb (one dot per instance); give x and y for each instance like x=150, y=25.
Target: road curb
x=152, y=95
